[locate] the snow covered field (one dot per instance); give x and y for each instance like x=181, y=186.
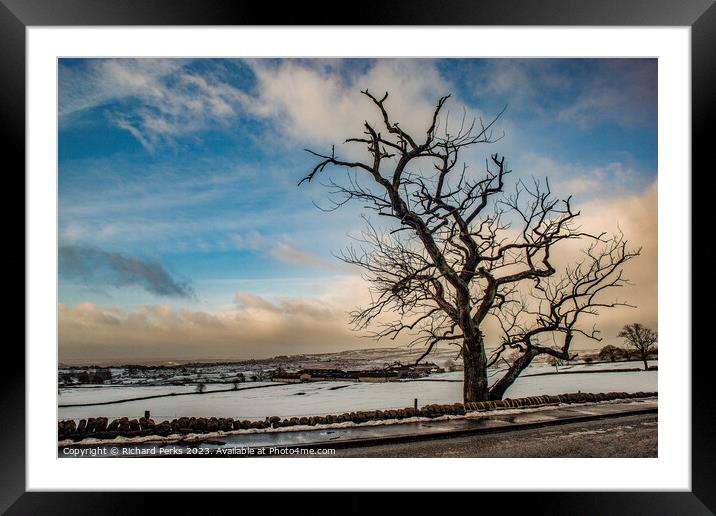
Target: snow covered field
x=102, y=393
x=605, y=366
x=335, y=397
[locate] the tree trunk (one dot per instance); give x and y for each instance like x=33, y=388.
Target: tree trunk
x=498, y=390
x=646, y=366
x=474, y=386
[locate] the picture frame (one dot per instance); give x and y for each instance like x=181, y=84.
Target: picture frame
x=16, y=16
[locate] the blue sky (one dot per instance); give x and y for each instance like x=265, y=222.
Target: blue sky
x=178, y=179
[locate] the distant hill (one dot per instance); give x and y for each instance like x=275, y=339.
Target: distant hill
x=373, y=358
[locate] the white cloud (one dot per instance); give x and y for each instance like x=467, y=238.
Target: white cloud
x=321, y=103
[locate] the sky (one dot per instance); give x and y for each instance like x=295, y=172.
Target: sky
x=183, y=234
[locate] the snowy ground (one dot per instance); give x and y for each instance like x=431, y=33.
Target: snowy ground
x=336, y=397
x=546, y=368
x=102, y=393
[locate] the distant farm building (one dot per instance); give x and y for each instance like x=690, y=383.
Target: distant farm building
x=378, y=376
x=414, y=371
x=323, y=375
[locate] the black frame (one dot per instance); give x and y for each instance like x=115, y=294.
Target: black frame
x=700, y=15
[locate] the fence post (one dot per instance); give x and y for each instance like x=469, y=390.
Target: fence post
x=415, y=404
x=146, y=414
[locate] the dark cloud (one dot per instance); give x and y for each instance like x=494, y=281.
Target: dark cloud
x=96, y=267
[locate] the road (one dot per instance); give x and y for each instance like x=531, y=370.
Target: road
x=628, y=436
x=619, y=429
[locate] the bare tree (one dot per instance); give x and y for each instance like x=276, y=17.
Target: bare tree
x=641, y=338
x=554, y=307
x=460, y=250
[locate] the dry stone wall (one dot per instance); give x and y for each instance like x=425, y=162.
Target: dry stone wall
x=102, y=428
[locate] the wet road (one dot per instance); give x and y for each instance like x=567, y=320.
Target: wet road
x=629, y=436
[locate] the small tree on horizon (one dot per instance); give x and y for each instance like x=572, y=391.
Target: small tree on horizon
x=641, y=339
x=458, y=249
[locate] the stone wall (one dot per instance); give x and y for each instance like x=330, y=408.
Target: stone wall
x=102, y=428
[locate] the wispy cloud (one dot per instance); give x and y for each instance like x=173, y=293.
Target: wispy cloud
x=314, y=101
x=100, y=268
x=584, y=93
x=310, y=308
x=135, y=206
x=91, y=83
x=524, y=84
x=624, y=93
x=156, y=101
x=282, y=250
x=611, y=179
